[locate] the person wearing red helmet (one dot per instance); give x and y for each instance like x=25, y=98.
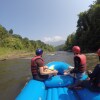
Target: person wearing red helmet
x=93, y=82
x=39, y=71
x=79, y=63
x=76, y=49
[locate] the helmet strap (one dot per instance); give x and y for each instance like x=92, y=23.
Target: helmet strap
x=76, y=53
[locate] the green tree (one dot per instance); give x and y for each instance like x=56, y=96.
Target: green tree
x=11, y=31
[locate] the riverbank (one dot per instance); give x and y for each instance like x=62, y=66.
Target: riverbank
x=11, y=54
x=7, y=53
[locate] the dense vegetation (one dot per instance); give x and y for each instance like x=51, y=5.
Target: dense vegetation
x=87, y=35
x=14, y=41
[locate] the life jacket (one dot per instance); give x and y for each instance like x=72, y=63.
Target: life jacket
x=82, y=64
x=34, y=66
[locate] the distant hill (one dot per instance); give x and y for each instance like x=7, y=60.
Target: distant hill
x=60, y=47
x=56, y=43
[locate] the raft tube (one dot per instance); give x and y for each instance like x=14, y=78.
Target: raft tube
x=59, y=66
x=33, y=90
x=36, y=90
x=60, y=79
x=55, y=88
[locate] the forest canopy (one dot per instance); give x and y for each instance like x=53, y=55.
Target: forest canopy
x=87, y=35
x=14, y=41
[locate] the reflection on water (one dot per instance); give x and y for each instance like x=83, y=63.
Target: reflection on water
x=15, y=73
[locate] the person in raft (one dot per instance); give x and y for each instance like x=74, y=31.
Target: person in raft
x=93, y=82
x=79, y=63
x=39, y=71
x=79, y=69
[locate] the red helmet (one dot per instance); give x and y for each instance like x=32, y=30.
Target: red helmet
x=98, y=52
x=76, y=49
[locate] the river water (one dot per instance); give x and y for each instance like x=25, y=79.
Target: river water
x=14, y=73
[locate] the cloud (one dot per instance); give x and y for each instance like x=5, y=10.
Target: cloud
x=53, y=39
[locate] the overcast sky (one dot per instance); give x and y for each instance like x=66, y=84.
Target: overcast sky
x=45, y=20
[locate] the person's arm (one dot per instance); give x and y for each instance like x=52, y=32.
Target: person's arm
x=42, y=68
x=42, y=72
x=76, y=65
x=77, y=62
x=67, y=72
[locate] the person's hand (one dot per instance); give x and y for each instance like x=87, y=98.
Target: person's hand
x=55, y=72
x=88, y=78
x=45, y=67
x=71, y=67
x=89, y=72
x=66, y=72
